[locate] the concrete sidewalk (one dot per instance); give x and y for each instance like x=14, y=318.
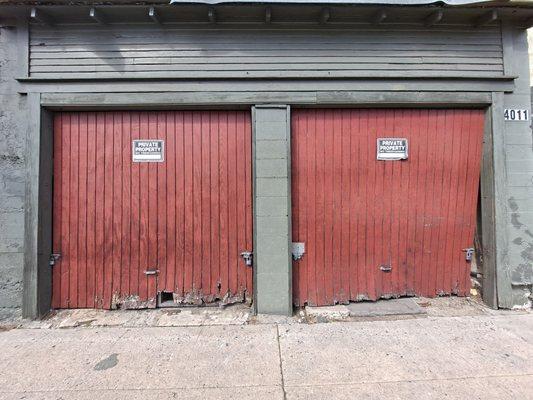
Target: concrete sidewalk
x=484, y=356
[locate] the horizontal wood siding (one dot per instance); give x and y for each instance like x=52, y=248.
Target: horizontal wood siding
x=151, y=51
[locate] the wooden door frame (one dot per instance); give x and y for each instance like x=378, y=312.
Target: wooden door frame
x=37, y=276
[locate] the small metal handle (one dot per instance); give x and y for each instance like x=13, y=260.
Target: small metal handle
x=385, y=268
x=151, y=272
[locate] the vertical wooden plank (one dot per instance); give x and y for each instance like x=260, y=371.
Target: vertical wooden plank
x=404, y=130
x=348, y=256
x=180, y=206
x=447, y=148
x=358, y=226
x=117, y=205
x=232, y=203
x=144, y=213
x=153, y=213
x=57, y=210
x=65, y=210
x=214, y=197
x=420, y=142
x=428, y=171
x=205, y=204
x=125, y=267
x=91, y=210
x=473, y=186
x=108, y=210
x=82, y=212
x=74, y=227
x=171, y=202
x=190, y=202
x=320, y=215
x=438, y=223
x=197, y=196
x=304, y=219
x=338, y=292
x=99, y=208
x=136, y=275
x=223, y=167
x=241, y=199
x=162, y=201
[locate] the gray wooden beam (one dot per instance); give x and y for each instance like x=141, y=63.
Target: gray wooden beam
x=97, y=16
x=325, y=15
x=37, y=274
x=154, y=15
x=487, y=18
x=433, y=18
x=379, y=17
x=212, y=15
x=488, y=221
x=41, y=17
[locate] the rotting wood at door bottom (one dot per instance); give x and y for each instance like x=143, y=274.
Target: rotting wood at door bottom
x=192, y=298
x=131, y=302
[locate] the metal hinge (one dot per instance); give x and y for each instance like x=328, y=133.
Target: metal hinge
x=469, y=252
x=248, y=258
x=54, y=257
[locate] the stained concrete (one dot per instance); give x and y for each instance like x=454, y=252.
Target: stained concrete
x=474, y=356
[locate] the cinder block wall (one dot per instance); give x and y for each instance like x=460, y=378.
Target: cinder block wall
x=12, y=177
x=515, y=276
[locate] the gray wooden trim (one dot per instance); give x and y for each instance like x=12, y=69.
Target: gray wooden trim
x=503, y=281
x=289, y=202
x=257, y=88
x=37, y=274
x=374, y=76
x=254, y=215
x=210, y=99
x=508, y=48
x=488, y=233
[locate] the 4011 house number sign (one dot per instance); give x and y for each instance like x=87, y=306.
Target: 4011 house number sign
x=512, y=114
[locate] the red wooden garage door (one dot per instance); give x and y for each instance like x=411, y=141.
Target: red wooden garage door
x=359, y=216
x=188, y=217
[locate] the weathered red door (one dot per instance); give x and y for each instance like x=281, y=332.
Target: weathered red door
x=359, y=216
x=129, y=230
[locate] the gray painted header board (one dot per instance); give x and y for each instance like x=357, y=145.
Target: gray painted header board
x=363, y=2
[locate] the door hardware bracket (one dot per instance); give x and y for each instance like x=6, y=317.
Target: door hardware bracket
x=54, y=257
x=248, y=258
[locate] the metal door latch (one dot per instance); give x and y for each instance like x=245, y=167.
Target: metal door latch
x=54, y=257
x=385, y=268
x=298, y=250
x=151, y=272
x=469, y=252
x=248, y=258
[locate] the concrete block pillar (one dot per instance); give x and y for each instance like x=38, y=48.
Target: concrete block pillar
x=272, y=210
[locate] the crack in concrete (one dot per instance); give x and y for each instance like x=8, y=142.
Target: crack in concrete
x=281, y=364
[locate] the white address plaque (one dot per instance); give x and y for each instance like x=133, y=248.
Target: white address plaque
x=516, y=114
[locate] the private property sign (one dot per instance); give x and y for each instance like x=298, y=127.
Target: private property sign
x=392, y=149
x=148, y=150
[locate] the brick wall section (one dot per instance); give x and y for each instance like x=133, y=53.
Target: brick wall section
x=272, y=206
x=12, y=177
